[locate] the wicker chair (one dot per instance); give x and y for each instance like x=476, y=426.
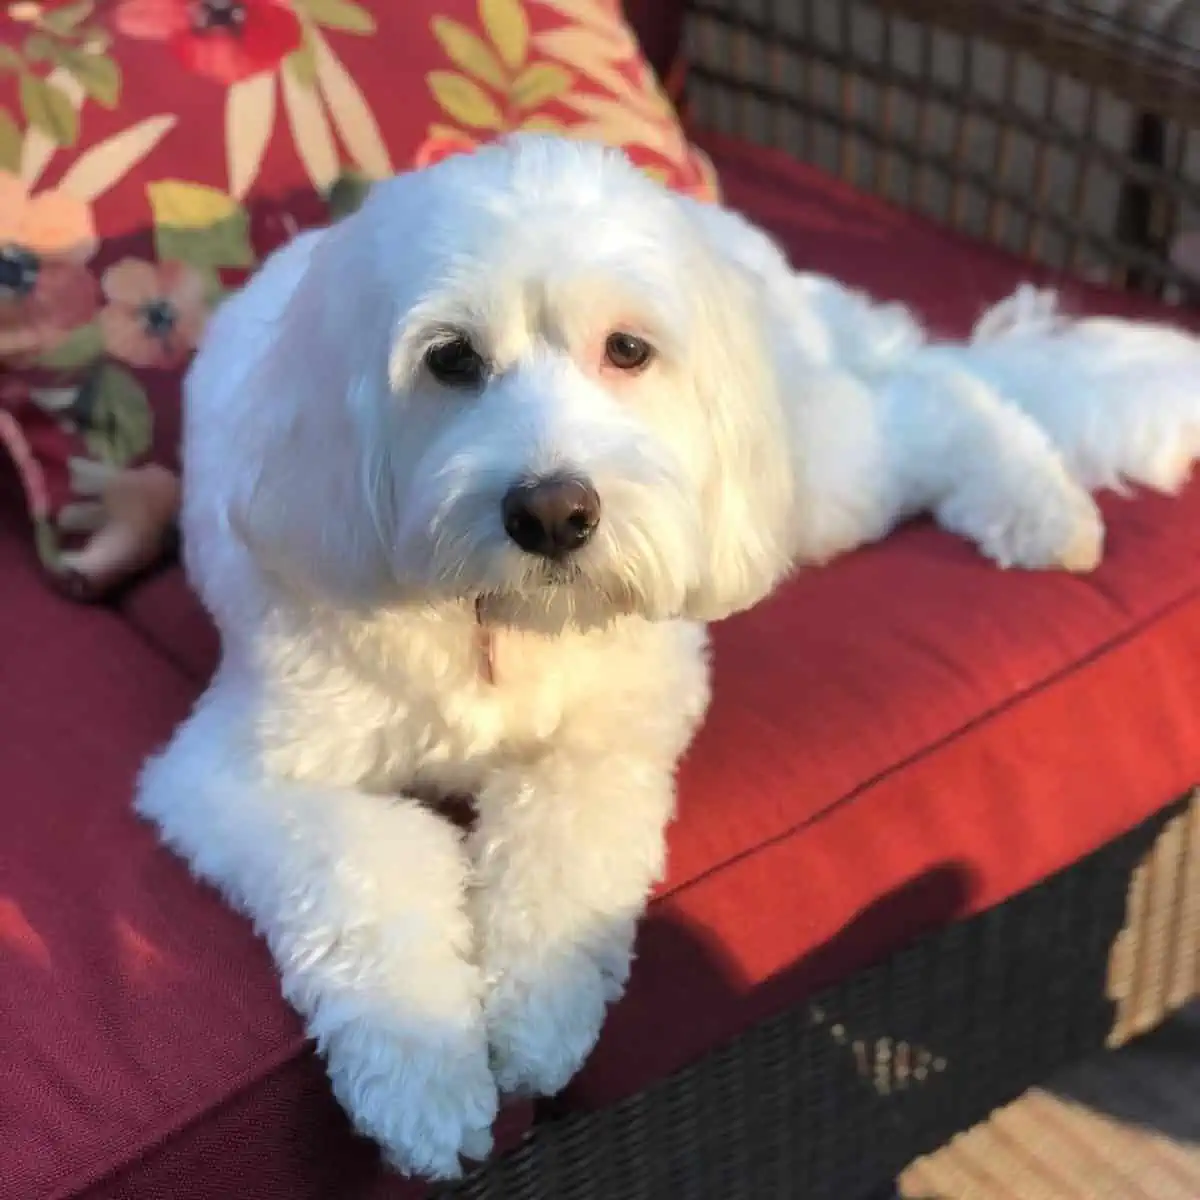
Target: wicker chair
x=1069, y=133
x=1065, y=131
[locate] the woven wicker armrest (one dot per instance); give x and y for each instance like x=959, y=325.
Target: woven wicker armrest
x=1064, y=130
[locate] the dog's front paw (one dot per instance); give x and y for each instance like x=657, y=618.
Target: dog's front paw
x=1065, y=532
x=1081, y=545
x=425, y=1094
x=1054, y=526
x=543, y=1018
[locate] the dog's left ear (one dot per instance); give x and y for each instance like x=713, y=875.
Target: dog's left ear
x=748, y=494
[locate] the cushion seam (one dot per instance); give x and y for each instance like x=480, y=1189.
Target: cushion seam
x=155, y=644
x=173, y=660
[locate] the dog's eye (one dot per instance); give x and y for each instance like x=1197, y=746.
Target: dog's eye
x=456, y=363
x=627, y=352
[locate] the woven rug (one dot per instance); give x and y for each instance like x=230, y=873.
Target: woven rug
x=1121, y=1126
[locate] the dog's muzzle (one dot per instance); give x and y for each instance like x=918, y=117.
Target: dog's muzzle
x=551, y=517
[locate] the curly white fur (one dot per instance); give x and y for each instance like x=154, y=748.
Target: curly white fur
x=342, y=522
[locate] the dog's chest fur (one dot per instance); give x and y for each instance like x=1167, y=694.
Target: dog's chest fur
x=411, y=701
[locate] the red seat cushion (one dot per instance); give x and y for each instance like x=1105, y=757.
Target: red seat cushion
x=899, y=739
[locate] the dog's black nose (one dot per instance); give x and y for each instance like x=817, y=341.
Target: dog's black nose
x=551, y=517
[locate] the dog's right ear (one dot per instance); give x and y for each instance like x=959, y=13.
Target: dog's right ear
x=310, y=498
x=747, y=501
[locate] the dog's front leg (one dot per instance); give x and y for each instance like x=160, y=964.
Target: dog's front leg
x=362, y=901
x=566, y=850
x=984, y=469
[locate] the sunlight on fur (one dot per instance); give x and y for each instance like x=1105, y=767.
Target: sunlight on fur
x=465, y=476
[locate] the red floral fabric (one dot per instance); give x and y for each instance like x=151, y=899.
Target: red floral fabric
x=226, y=42
x=152, y=152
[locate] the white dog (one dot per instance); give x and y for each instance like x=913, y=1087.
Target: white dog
x=465, y=476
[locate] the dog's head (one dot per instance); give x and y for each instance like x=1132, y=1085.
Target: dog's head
x=528, y=379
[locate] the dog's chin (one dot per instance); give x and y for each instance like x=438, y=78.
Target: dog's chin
x=561, y=601
x=591, y=591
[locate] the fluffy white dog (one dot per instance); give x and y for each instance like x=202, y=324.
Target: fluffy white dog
x=466, y=474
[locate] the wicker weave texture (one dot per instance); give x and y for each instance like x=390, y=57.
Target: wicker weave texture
x=1065, y=132
x=832, y=1100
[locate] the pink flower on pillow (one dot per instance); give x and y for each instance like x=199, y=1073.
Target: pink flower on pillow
x=442, y=145
x=223, y=40
x=45, y=289
x=155, y=312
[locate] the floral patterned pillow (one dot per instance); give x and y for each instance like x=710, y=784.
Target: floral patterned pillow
x=152, y=152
